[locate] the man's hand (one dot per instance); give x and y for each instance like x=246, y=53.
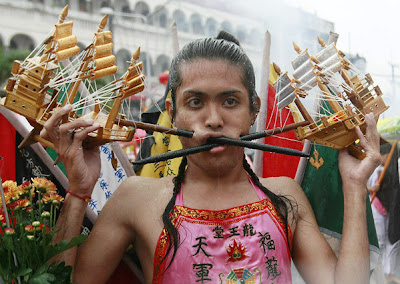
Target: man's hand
x=357, y=172
x=81, y=163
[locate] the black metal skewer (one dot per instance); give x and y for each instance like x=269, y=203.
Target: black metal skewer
x=217, y=141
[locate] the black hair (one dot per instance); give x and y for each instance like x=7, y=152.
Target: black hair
x=172, y=232
x=385, y=148
x=226, y=47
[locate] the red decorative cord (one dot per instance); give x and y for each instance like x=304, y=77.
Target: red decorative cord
x=86, y=198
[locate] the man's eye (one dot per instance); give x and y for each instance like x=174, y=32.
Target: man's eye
x=231, y=102
x=194, y=103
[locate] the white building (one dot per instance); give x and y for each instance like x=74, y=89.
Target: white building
x=134, y=23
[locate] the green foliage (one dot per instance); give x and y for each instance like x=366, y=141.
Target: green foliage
x=7, y=58
x=26, y=246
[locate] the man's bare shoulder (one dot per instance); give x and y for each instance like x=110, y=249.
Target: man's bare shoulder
x=287, y=187
x=281, y=185
x=144, y=189
x=142, y=197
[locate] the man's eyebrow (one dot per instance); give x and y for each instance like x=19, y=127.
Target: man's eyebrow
x=227, y=92
x=191, y=91
x=230, y=92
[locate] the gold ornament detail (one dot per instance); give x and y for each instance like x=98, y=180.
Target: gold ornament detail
x=317, y=163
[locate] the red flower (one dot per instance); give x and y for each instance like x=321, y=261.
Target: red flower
x=20, y=203
x=28, y=209
x=26, y=187
x=9, y=231
x=43, y=225
x=29, y=228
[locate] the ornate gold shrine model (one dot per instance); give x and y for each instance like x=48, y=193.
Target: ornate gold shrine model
x=48, y=80
x=350, y=98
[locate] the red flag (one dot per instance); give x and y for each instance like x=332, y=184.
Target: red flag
x=7, y=150
x=275, y=164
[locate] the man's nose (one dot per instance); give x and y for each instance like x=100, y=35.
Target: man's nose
x=214, y=119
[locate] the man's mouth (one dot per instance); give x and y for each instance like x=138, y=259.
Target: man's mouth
x=218, y=149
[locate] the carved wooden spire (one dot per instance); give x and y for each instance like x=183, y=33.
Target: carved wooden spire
x=136, y=55
x=297, y=48
x=64, y=14
x=103, y=23
x=276, y=68
x=321, y=42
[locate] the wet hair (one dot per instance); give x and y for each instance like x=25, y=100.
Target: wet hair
x=224, y=47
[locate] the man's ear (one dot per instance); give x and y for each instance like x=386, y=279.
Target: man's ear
x=169, y=106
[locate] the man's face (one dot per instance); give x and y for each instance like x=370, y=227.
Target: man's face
x=212, y=101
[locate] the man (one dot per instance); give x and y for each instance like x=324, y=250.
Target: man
x=216, y=221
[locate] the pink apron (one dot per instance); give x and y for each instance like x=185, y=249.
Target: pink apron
x=245, y=244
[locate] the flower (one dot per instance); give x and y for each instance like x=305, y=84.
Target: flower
x=45, y=214
x=53, y=198
x=27, y=189
x=41, y=226
x=29, y=228
x=10, y=191
x=44, y=185
x=2, y=217
x=26, y=241
x=9, y=231
x=19, y=203
x=29, y=209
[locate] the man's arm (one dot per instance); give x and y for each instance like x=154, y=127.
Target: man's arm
x=311, y=253
x=83, y=167
x=98, y=257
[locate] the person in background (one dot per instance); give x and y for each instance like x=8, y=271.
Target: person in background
x=382, y=198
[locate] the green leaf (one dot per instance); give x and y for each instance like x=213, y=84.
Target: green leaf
x=64, y=245
x=23, y=271
x=45, y=278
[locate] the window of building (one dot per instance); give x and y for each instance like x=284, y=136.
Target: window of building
x=142, y=8
x=211, y=27
x=23, y=42
x=159, y=18
x=179, y=17
x=123, y=59
x=147, y=65
x=163, y=63
x=197, y=26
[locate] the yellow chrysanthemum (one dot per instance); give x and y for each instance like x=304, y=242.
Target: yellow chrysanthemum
x=20, y=203
x=25, y=188
x=10, y=191
x=48, y=185
x=52, y=197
